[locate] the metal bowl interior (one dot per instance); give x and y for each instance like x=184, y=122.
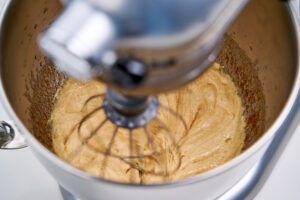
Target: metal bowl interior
x=260, y=43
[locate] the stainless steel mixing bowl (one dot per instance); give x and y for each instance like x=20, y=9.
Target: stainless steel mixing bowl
x=267, y=32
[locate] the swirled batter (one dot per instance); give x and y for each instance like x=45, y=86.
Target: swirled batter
x=210, y=106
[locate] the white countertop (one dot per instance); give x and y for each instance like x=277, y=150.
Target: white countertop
x=24, y=178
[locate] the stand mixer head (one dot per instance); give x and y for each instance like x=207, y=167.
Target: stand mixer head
x=139, y=49
x=166, y=43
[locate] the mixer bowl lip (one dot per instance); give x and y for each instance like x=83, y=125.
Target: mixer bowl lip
x=38, y=147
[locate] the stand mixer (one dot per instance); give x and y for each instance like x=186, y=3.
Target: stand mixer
x=264, y=39
x=139, y=49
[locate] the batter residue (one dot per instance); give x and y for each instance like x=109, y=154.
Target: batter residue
x=210, y=106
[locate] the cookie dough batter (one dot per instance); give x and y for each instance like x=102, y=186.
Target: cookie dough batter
x=210, y=106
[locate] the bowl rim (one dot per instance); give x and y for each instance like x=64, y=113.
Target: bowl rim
x=272, y=130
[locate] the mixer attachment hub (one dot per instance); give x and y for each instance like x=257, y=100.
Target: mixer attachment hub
x=129, y=112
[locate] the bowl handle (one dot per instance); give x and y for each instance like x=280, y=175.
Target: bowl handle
x=10, y=138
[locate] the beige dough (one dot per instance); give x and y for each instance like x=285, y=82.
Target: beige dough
x=210, y=106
